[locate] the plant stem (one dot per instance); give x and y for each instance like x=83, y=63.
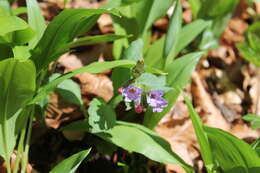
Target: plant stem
x=20, y=150
x=7, y=156
x=27, y=144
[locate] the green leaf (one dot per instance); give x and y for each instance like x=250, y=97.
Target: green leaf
x=121, y=75
x=21, y=52
x=172, y=35
x=154, y=54
x=10, y=24
x=148, y=11
x=254, y=119
x=90, y=40
x=153, y=82
x=134, y=51
x=179, y=73
x=248, y=53
x=17, y=87
x=201, y=137
x=195, y=7
x=71, y=164
x=5, y=7
x=95, y=67
x=23, y=36
x=189, y=33
x=256, y=146
x=136, y=138
x=19, y=11
x=61, y=31
x=35, y=20
x=217, y=8
x=70, y=92
x=180, y=70
x=101, y=116
x=232, y=154
x=6, y=52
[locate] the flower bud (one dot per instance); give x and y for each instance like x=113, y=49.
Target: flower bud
x=138, y=108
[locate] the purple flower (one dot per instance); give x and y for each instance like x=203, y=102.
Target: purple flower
x=132, y=93
x=155, y=100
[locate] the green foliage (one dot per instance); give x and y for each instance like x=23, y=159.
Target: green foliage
x=201, y=136
x=232, y=154
x=173, y=33
x=95, y=67
x=61, y=31
x=71, y=164
x=250, y=49
x=223, y=152
x=35, y=20
x=102, y=117
x=217, y=13
x=254, y=119
x=17, y=87
x=179, y=72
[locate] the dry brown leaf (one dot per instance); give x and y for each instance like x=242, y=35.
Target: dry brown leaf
x=213, y=116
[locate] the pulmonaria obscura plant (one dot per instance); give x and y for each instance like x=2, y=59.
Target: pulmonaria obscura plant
x=144, y=92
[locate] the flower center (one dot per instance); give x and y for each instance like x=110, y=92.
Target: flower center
x=132, y=90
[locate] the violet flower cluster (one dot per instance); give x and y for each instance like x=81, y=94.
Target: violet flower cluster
x=154, y=98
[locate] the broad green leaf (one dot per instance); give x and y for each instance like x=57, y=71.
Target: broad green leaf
x=102, y=117
x=70, y=92
x=172, y=35
x=180, y=70
x=5, y=7
x=179, y=73
x=21, y=52
x=6, y=52
x=217, y=8
x=254, y=119
x=23, y=36
x=95, y=67
x=10, y=24
x=189, y=33
x=248, y=53
x=71, y=164
x=35, y=20
x=19, y=11
x=137, y=138
x=195, y=7
x=154, y=55
x=17, y=87
x=201, y=137
x=134, y=51
x=89, y=40
x=121, y=75
x=232, y=154
x=61, y=31
x=152, y=82
x=148, y=11
x=256, y=146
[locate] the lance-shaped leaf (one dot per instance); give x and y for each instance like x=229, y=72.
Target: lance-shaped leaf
x=35, y=20
x=71, y=164
x=62, y=30
x=17, y=85
x=232, y=154
x=179, y=73
x=137, y=138
x=95, y=67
